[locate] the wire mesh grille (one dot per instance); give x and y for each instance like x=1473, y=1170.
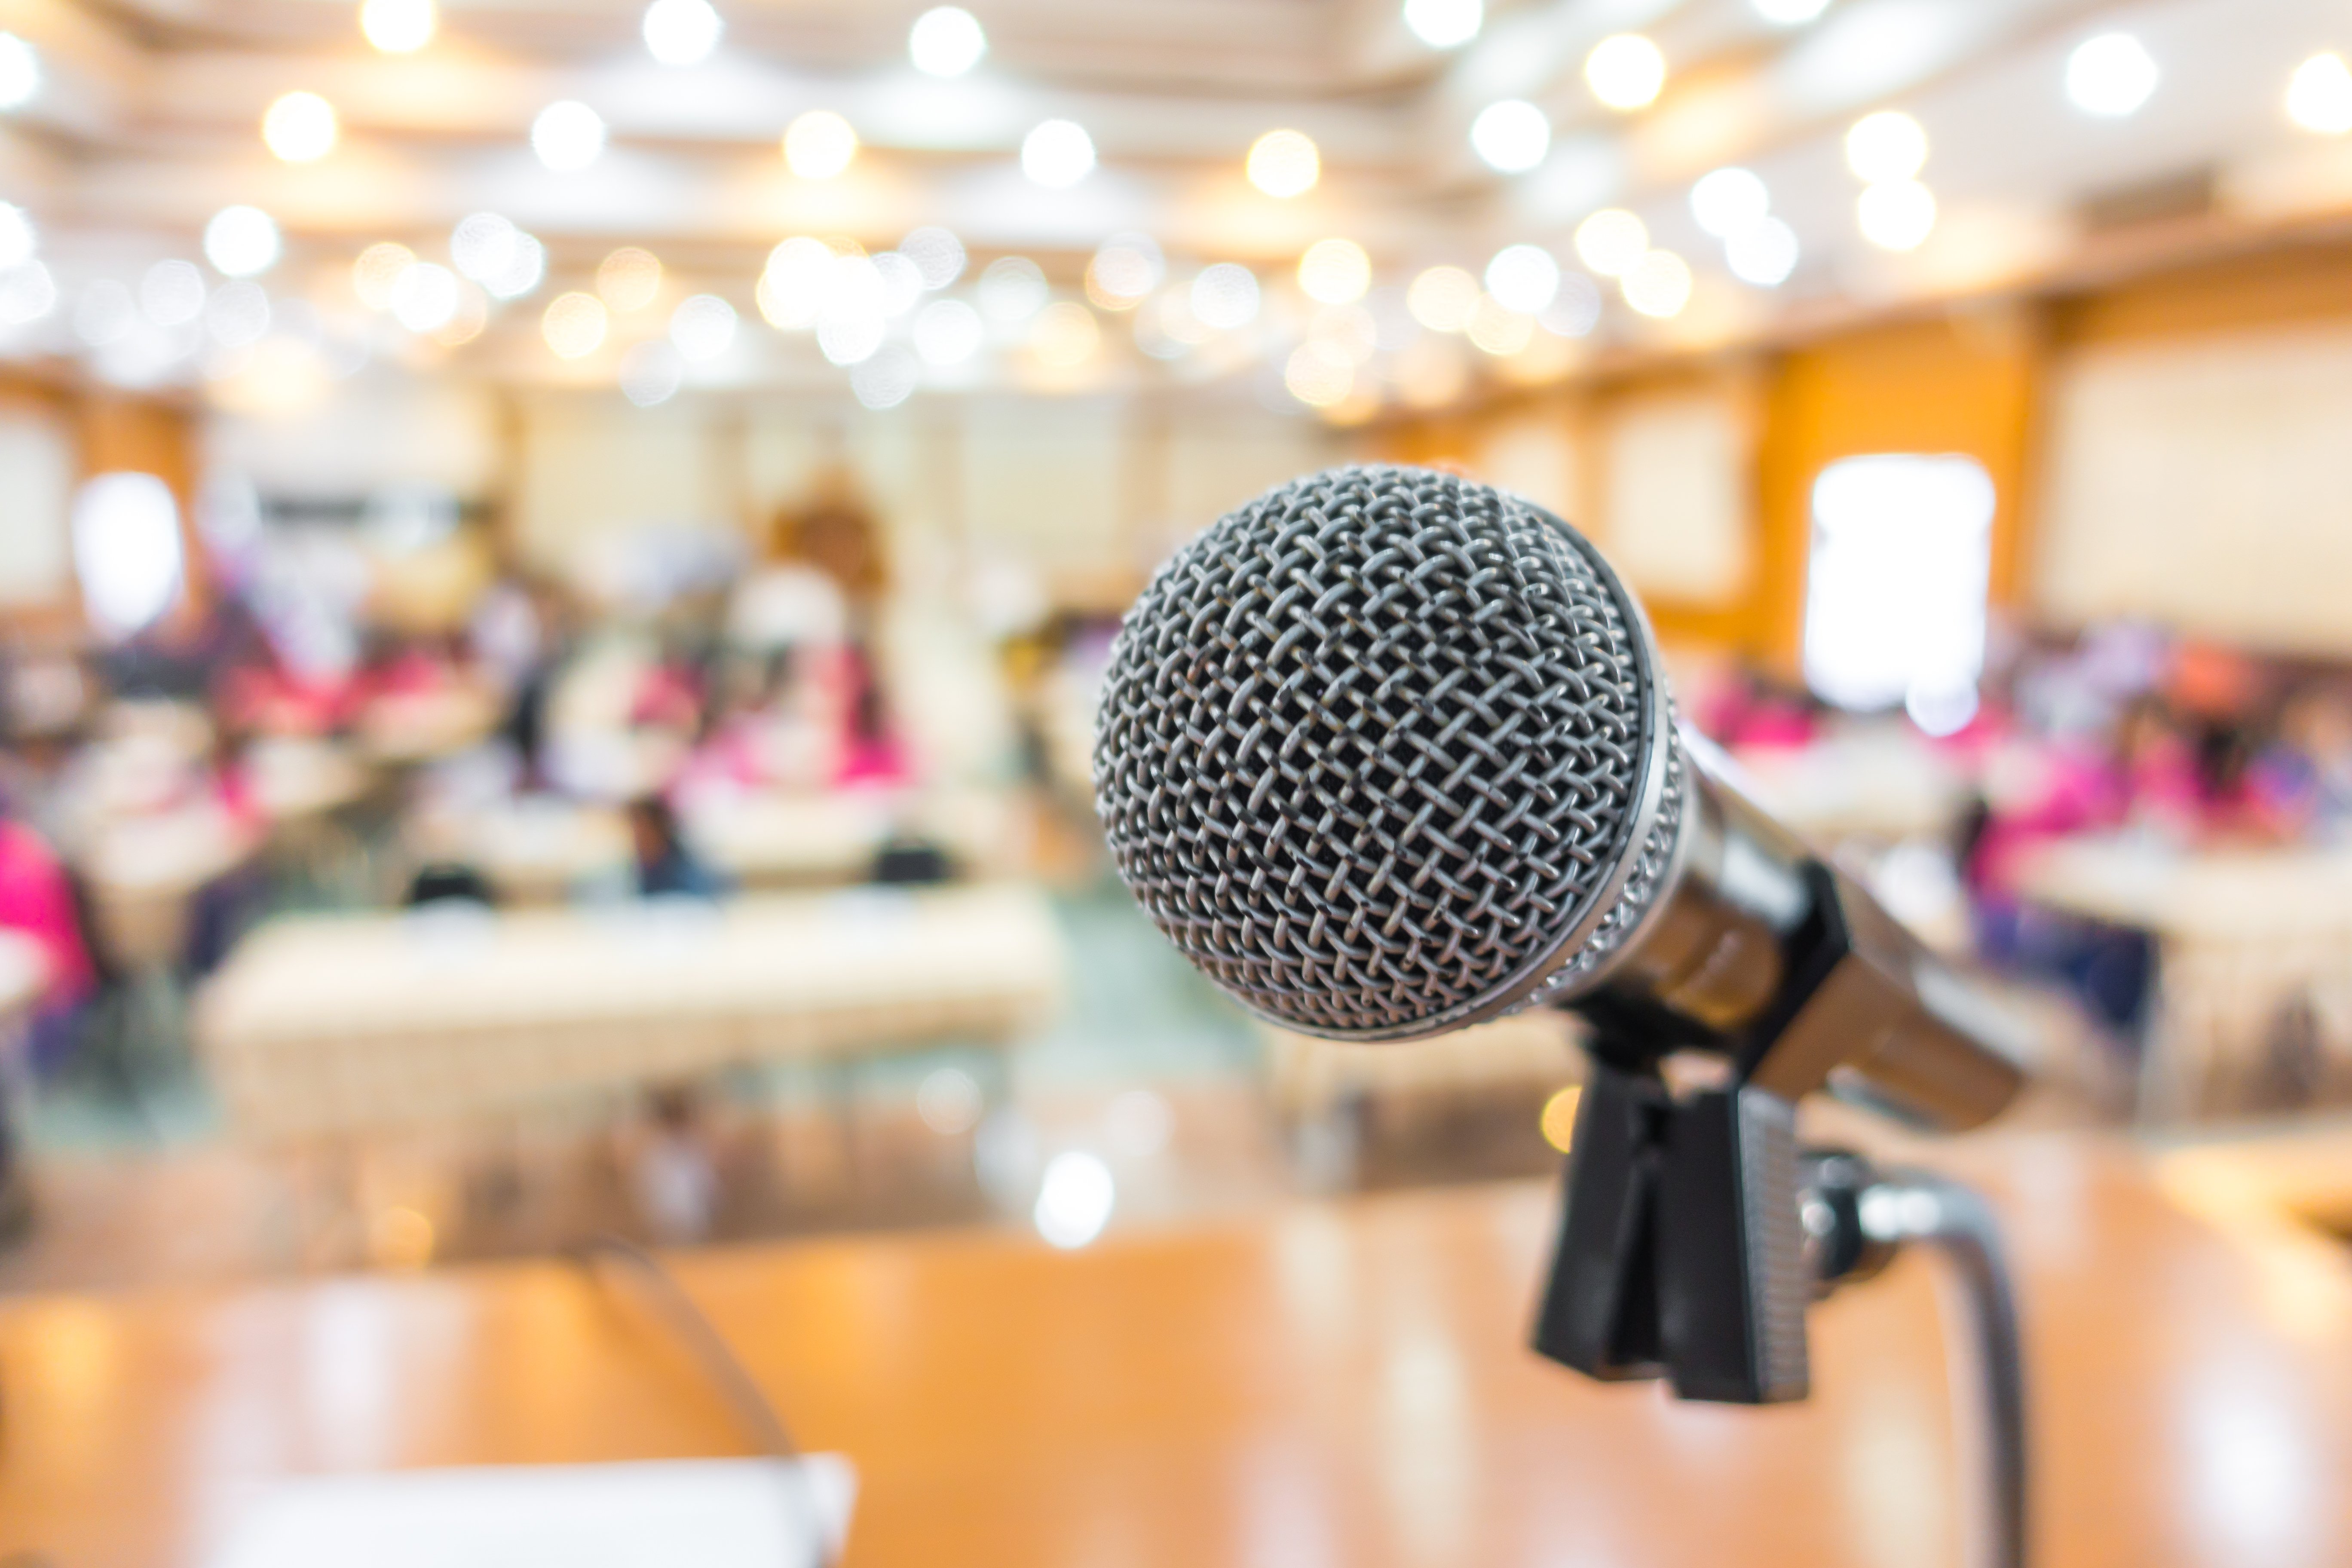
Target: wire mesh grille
x=1368, y=746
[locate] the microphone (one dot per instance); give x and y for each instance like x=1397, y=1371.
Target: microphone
x=1387, y=751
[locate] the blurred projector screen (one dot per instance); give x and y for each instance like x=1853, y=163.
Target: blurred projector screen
x=2207, y=485
x=37, y=458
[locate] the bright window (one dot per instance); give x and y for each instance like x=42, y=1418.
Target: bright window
x=1894, y=592
x=126, y=544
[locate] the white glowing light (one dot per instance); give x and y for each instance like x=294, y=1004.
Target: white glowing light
x=2319, y=95
x=885, y=380
x=27, y=294
x=1335, y=271
x=1886, y=146
x=399, y=27
x=703, y=326
x=1075, y=1200
x=947, y=332
x=20, y=72
x=1512, y=136
x=242, y=242
x=1764, y=253
x=379, y=267
x=126, y=546
x=1896, y=581
x=902, y=283
x=820, y=144
x=1012, y=288
x=1318, y=376
x=651, y=373
x=424, y=298
x=105, y=313
x=1612, y=240
x=946, y=41
x=2111, y=75
x=949, y=1100
x=1498, y=329
x=1659, y=285
x=299, y=128
x=1577, y=310
x=1285, y=163
x=173, y=293
x=1058, y=154
x=1225, y=296
x=797, y=283
x=1444, y=24
x=937, y=254
x=525, y=268
x=1897, y=216
x=237, y=315
x=483, y=246
x=567, y=136
x=851, y=326
x=1442, y=298
x=682, y=32
x=1625, y=72
x=573, y=325
x=1729, y=200
x=1124, y=270
x=1523, y=277
x=629, y=279
x=1790, y=13
x=18, y=237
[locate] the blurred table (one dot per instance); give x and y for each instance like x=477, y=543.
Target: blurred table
x=327, y=1025
x=143, y=871
x=2250, y=941
x=1881, y=782
x=298, y=781
x=1320, y=1385
x=410, y=727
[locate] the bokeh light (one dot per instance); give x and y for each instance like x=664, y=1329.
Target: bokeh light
x=1225, y=296
x=1764, y=253
x=172, y=294
x=1498, y=329
x=1285, y=163
x=242, y=242
x=1319, y=375
x=1057, y=153
x=1335, y=271
x=1790, y=13
x=2111, y=76
x=567, y=136
x=18, y=237
x=299, y=128
x=1012, y=288
x=1124, y=271
x=483, y=245
x=819, y=145
x=1064, y=334
x=682, y=32
x=525, y=270
x=946, y=41
x=1575, y=309
x=937, y=254
x=1075, y=1199
x=238, y=314
x=424, y=297
x=1444, y=24
x=399, y=27
x=651, y=373
x=2319, y=95
x=1896, y=216
x=1612, y=240
x=1728, y=200
x=885, y=380
x=702, y=327
x=1524, y=278
x=1442, y=297
x=20, y=72
x=1512, y=136
x=629, y=279
x=947, y=332
x=1659, y=285
x=1625, y=72
x=573, y=325
x=1886, y=146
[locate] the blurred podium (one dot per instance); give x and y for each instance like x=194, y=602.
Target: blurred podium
x=1316, y=1385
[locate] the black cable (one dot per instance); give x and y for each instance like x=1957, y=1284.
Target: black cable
x=687, y=1324
x=1965, y=1231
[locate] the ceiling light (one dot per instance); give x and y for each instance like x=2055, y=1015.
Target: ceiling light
x=1511, y=136
x=1057, y=153
x=173, y=293
x=573, y=325
x=2111, y=75
x=299, y=128
x=651, y=373
x=1764, y=253
x=1284, y=163
x=1065, y=335
x=703, y=326
x=1625, y=71
x=1442, y=297
x=399, y=27
x=1611, y=240
x=682, y=32
x=1012, y=288
x=20, y=72
x=1335, y=271
x=2319, y=96
x=1887, y=145
x=567, y=136
x=27, y=294
x=481, y=245
x=946, y=41
x=850, y=329
x=797, y=283
x=525, y=270
x=1523, y=277
x=902, y=283
x=1897, y=214
x=819, y=145
x=1225, y=296
x=379, y=267
x=1729, y=200
x=1444, y=24
x=629, y=279
x=947, y=332
x=937, y=254
x=1790, y=13
x=241, y=242
x=18, y=238
x=424, y=297
x=1658, y=284
x=1319, y=375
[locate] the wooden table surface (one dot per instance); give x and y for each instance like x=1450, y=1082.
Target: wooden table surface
x=1324, y=1384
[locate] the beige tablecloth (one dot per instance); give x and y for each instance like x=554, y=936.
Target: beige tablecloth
x=324, y=1025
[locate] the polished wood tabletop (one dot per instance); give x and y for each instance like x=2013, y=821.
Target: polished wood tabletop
x=1338, y=1384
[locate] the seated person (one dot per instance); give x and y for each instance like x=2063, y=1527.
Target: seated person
x=664, y=865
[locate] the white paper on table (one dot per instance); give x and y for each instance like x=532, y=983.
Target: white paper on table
x=687, y=1513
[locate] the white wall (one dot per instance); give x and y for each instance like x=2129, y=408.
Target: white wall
x=2206, y=485
x=37, y=480
x=1673, y=506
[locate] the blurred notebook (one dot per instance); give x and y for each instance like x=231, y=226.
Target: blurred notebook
x=698, y=1514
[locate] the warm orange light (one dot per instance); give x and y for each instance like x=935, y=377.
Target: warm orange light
x=1560, y=1117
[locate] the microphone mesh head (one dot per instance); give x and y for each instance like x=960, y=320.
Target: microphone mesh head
x=1370, y=748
